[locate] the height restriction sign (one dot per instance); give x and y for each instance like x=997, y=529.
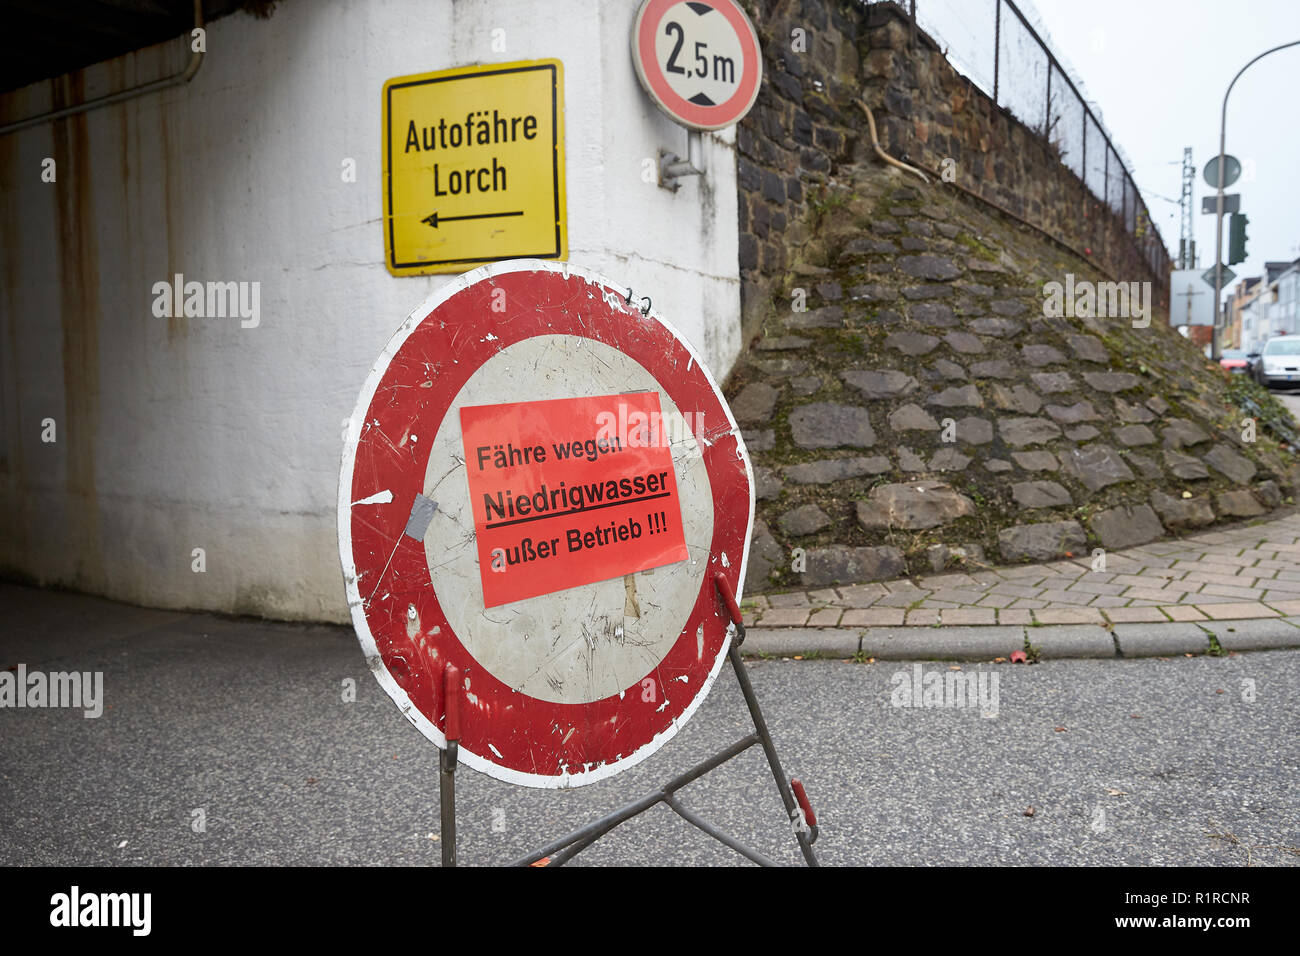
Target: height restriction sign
x=540, y=484
x=474, y=167
x=699, y=61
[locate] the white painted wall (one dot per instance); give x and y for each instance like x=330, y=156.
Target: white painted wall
x=175, y=434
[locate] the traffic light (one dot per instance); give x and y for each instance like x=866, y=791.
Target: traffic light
x=1237, y=238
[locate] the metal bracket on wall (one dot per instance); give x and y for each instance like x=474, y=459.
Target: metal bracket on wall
x=673, y=167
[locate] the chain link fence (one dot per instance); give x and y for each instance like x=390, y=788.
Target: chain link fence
x=996, y=46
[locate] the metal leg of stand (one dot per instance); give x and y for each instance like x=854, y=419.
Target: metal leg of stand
x=447, y=759
x=769, y=748
x=581, y=838
x=569, y=846
x=711, y=830
x=447, y=799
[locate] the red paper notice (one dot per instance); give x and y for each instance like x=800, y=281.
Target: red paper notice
x=570, y=491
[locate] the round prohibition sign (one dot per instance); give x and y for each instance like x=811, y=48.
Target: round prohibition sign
x=569, y=676
x=699, y=60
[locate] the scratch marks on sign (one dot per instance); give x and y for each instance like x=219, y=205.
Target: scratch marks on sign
x=376, y=428
x=458, y=463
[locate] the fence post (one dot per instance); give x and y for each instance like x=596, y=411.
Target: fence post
x=1124, y=199
x=1047, y=111
x=1105, y=172
x=997, y=43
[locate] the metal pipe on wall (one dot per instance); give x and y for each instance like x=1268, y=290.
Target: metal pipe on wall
x=176, y=79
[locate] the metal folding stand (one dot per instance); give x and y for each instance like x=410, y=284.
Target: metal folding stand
x=557, y=853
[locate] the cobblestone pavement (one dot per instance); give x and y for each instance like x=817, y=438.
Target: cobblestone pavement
x=1237, y=574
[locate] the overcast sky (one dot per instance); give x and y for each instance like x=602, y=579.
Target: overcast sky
x=1158, y=70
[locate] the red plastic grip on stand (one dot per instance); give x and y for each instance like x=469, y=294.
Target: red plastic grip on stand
x=728, y=598
x=451, y=701
x=801, y=797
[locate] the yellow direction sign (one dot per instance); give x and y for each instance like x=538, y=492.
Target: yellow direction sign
x=474, y=167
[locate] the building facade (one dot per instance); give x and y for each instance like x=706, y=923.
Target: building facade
x=1271, y=305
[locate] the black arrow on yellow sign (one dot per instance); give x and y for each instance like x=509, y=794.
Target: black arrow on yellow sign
x=433, y=218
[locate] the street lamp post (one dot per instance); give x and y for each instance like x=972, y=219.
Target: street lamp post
x=1215, y=339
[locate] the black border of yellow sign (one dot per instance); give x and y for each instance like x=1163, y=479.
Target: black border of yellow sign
x=424, y=267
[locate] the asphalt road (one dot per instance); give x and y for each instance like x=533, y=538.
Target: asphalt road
x=1157, y=762
x=1291, y=400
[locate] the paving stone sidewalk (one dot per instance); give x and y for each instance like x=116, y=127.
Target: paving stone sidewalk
x=1238, y=574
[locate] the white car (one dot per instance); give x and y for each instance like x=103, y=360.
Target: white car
x=1279, y=362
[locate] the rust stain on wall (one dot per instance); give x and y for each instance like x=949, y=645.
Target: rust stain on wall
x=171, y=196
x=79, y=317
x=14, y=519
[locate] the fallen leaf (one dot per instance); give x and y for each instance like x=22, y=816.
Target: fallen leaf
x=1219, y=691
x=1019, y=657
x=1059, y=730
x=798, y=657
x=1116, y=793
x=1029, y=811
x=999, y=660
x=953, y=667
x=1136, y=716
x=544, y=861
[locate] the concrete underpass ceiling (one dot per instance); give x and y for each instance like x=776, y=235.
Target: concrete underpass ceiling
x=39, y=39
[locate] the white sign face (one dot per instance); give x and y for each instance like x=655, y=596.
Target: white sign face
x=1191, y=302
x=699, y=61
x=701, y=67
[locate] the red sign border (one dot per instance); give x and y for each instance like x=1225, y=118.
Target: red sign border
x=404, y=674
x=656, y=84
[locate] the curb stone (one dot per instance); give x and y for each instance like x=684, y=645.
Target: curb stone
x=1071, y=640
x=1255, y=635
x=788, y=641
x=1055, y=642
x=954, y=643
x=1160, y=640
